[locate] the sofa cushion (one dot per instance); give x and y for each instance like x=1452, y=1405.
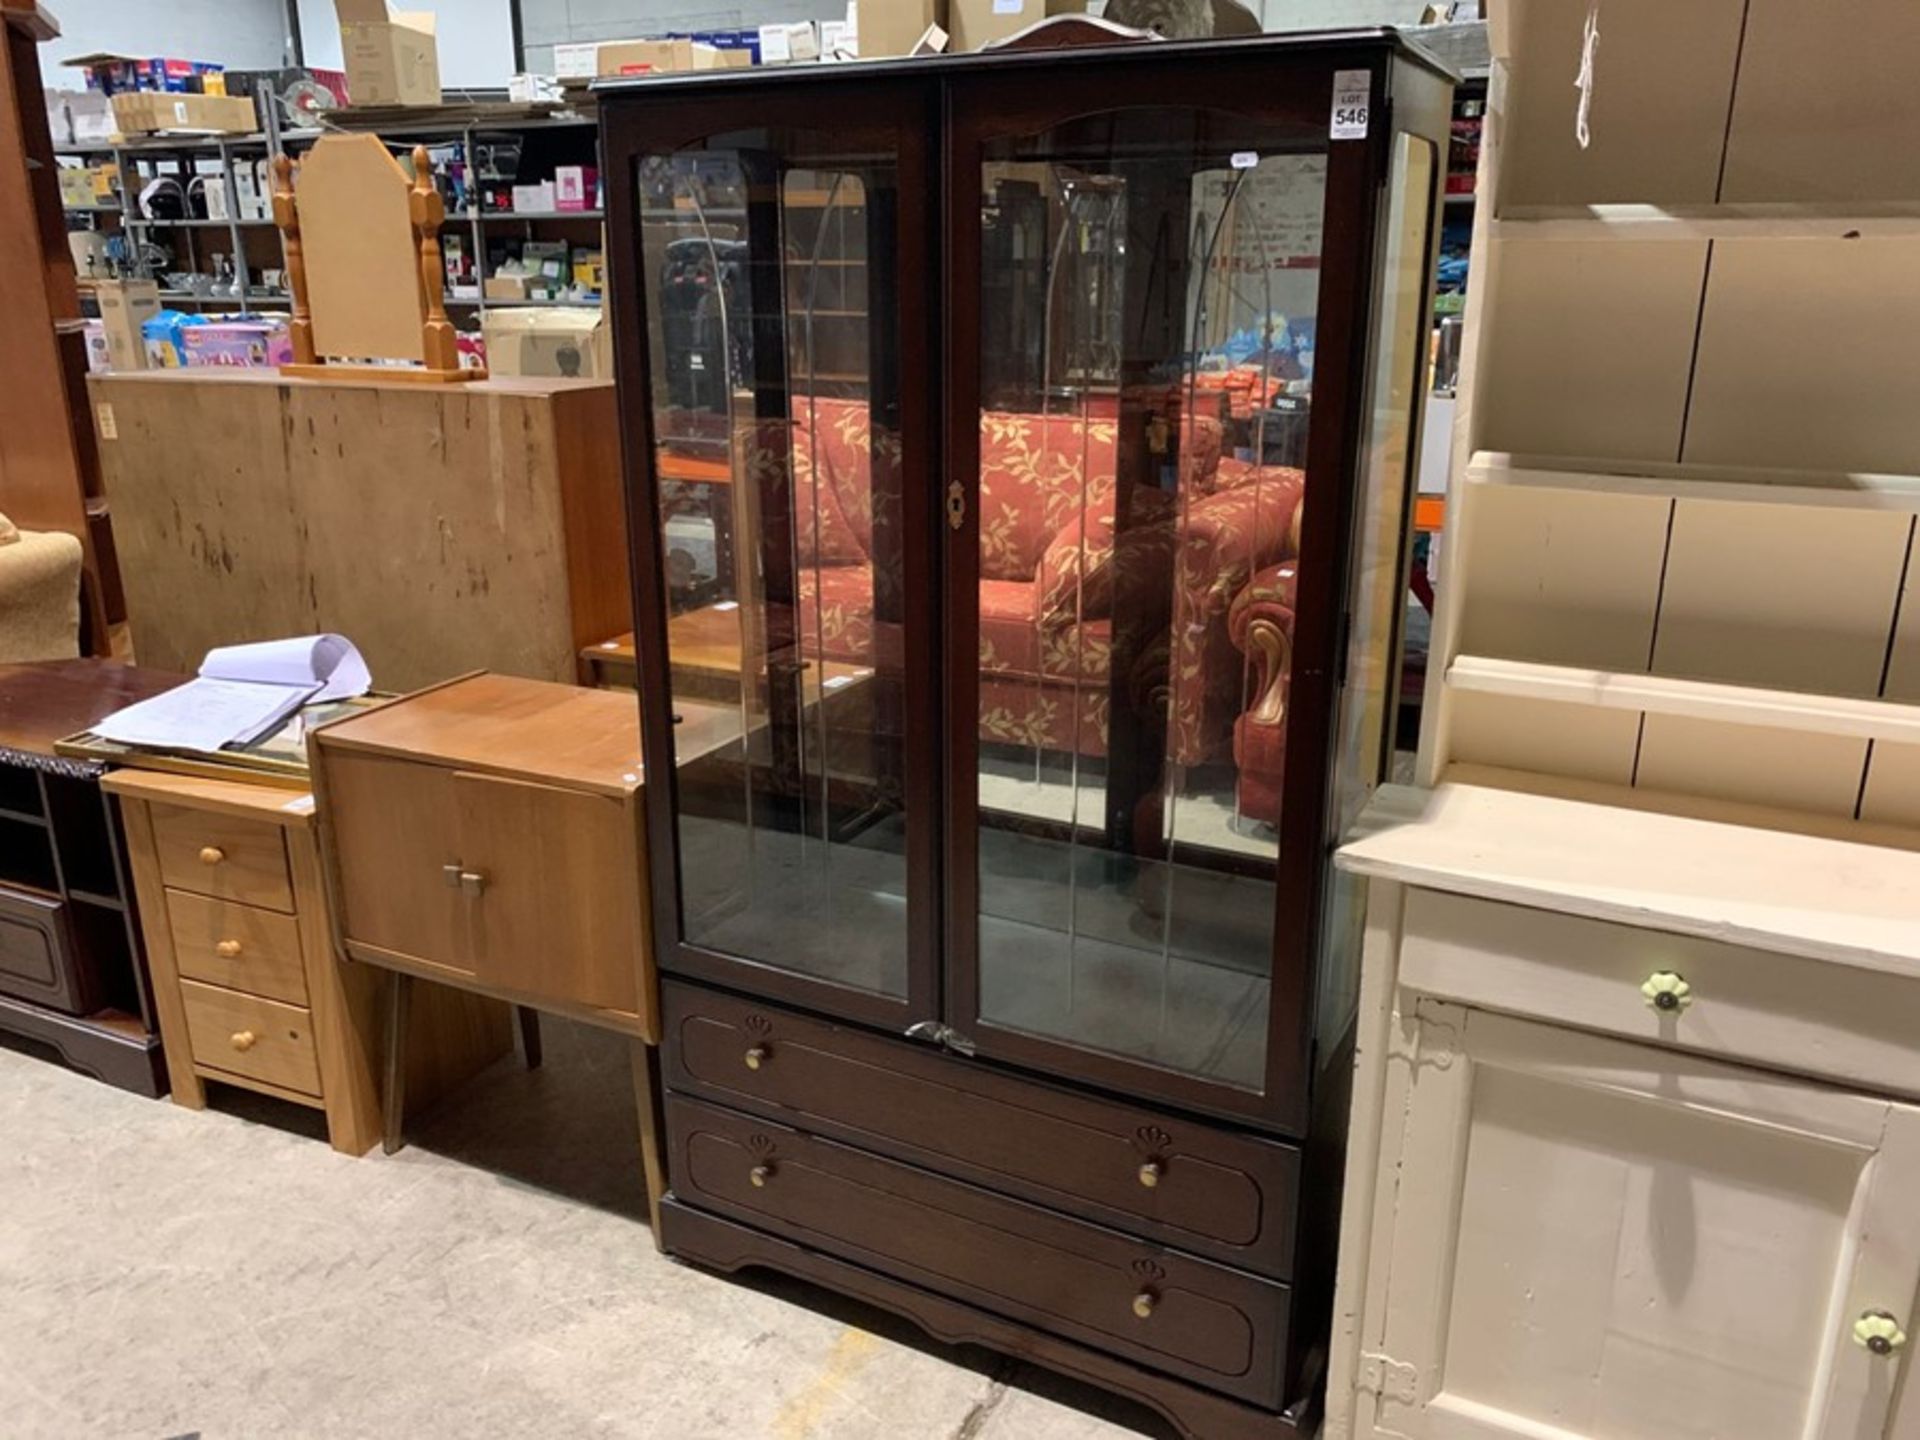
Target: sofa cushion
x=1038, y=473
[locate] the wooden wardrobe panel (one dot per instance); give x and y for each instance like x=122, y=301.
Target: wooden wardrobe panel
x=1808, y=356
x=1781, y=596
x=1751, y=764
x=1589, y=347
x=1893, y=785
x=1582, y=742
x=1827, y=108
x=1658, y=124
x=1563, y=577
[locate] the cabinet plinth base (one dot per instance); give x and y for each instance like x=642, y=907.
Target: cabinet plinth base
x=717, y=1244
x=121, y=1055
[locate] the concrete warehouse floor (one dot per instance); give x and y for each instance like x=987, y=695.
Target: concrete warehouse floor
x=224, y=1274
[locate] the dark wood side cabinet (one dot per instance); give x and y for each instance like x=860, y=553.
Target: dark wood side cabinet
x=1028, y=642
x=73, y=974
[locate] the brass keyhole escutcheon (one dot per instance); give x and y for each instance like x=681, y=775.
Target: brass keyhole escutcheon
x=760, y=1175
x=1151, y=1172
x=956, y=505
x=1144, y=1303
x=757, y=1056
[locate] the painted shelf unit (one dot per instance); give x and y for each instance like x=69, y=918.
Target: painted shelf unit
x=1682, y=546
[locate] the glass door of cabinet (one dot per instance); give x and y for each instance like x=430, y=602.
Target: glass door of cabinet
x=1155, y=457
x=777, y=290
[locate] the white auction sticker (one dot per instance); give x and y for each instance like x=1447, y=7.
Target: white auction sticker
x=1245, y=159
x=1352, y=97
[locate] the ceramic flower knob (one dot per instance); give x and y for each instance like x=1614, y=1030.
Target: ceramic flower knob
x=1667, y=992
x=1879, y=1332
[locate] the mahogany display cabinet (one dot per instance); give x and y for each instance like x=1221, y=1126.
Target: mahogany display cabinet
x=1021, y=497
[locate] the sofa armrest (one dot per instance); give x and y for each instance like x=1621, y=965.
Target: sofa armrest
x=40, y=597
x=1231, y=535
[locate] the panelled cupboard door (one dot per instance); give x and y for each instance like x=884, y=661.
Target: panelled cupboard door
x=554, y=912
x=1598, y=1239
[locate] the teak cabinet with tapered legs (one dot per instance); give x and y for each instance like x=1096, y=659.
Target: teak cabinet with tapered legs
x=1025, y=440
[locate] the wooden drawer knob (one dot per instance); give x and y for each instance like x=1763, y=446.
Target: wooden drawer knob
x=211, y=854
x=1667, y=991
x=1879, y=1332
x=1150, y=1173
x=244, y=1040
x=760, y=1175
x=757, y=1056
x=227, y=949
x=1143, y=1304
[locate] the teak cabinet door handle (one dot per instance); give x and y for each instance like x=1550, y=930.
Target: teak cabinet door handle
x=211, y=854
x=244, y=1040
x=227, y=949
x=472, y=882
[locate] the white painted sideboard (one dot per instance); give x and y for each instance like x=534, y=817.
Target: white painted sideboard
x=1636, y=1130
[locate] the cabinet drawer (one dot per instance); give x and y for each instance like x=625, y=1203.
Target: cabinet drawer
x=237, y=946
x=1788, y=1013
x=223, y=856
x=36, y=953
x=245, y=1035
x=1192, y=1318
x=1212, y=1192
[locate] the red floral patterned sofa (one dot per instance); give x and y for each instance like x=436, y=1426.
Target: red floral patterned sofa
x=1053, y=581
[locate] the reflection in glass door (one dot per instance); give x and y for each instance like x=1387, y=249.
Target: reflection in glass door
x=1147, y=383
x=767, y=256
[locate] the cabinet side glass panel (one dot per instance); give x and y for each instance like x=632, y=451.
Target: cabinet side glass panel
x=1378, y=592
x=778, y=464
x=1148, y=304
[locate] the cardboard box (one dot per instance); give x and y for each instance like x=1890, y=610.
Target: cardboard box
x=125, y=306
x=147, y=112
x=894, y=27
x=577, y=61
x=978, y=23
x=572, y=344
x=534, y=199
x=506, y=287
x=789, y=44
x=644, y=57
x=391, y=55
x=90, y=117
x=574, y=187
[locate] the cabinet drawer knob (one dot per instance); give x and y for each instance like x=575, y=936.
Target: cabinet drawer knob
x=244, y=1040
x=227, y=949
x=1667, y=992
x=472, y=882
x=1143, y=1304
x=1151, y=1172
x=760, y=1175
x=211, y=854
x=757, y=1056
x=1879, y=1332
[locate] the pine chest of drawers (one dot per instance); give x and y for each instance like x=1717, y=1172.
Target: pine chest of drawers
x=246, y=983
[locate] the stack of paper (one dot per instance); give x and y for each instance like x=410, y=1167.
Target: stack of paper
x=243, y=694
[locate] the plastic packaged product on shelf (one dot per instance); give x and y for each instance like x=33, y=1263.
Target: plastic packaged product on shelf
x=163, y=339
x=250, y=343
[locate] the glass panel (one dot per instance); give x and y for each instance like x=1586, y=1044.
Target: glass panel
x=777, y=446
x=1378, y=598
x=1151, y=282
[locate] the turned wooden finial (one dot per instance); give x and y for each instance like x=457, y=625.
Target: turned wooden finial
x=429, y=214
